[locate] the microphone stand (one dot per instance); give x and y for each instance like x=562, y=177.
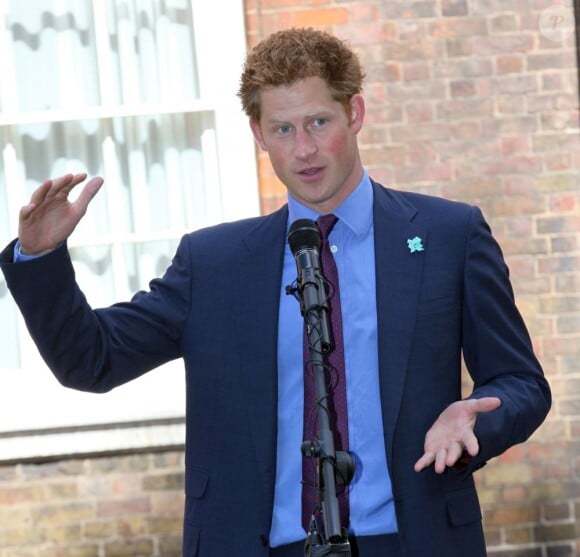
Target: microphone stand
x=333, y=540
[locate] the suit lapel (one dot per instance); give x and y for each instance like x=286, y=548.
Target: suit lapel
x=257, y=324
x=399, y=276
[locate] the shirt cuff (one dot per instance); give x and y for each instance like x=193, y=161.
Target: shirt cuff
x=20, y=257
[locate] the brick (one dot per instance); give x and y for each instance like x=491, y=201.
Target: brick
x=519, y=535
x=558, y=264
x=554, y=532
x=516, y=552
x=514, y=494
x=165, y=525
x=565, y=284
x=8, y=474
x=167, y=502
x=123, y=507
x=554, y=142
x=373, y=135
x=560, y=304
x=172, y=481
x=564, y=244
x=318, y=17
x=393, y=155
x=514, y=84
x=50, y=515
x=414, y=50
x=558, y=120
x=103, y=529
x=500, y=44
x=511, y=515
x=518, y=205
x=422, y=153
x=131, y=463
x=552, y=82
x=132, y=526
x=550, y=61
x=170, y=546
x=462, y=27
x=462, y=88
x=454, y=8
x=556, y=511
x=558, y=162
x=509, y=64
x=64, y=535
x=129, y=548
x=422, y=173
x=416, y=71
x=517, y=144
x=52, y=469
x=512, y=473
x=169, y=460
x=61, y=491
x=510, y=125
x=362, y=34
x=511, y=104
x=558, y=224
x=424, y=131
x=19, y=495
x=503, y=23
x=458, y=47
x=465, y=130
x=83, y=550
x=568, y=325
x=557, y=182
x=23, y=536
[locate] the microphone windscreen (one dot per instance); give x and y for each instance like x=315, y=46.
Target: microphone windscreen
x=304, y=234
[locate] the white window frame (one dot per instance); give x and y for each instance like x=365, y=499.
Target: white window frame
x=44, y=420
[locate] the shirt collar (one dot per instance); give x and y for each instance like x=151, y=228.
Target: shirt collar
x=356, y=211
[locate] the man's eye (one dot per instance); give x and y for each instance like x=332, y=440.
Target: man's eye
x=283, y=130
x=319, y=122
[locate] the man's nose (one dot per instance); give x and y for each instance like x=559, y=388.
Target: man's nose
x=305, y=145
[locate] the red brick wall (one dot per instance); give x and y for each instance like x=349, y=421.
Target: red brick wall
x=124, y=506
x=469, y=99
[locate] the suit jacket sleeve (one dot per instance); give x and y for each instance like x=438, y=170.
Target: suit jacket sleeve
x=98, y=350
x=497, y=349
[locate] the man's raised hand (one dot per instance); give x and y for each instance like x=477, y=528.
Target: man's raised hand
x=50, y=217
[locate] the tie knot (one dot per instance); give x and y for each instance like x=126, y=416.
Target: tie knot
x=325, y=224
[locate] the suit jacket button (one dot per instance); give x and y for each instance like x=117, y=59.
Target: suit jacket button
x=264, y=540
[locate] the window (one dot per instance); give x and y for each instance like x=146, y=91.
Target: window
x=141, y=92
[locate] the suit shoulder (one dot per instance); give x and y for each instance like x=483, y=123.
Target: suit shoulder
x=425, y=206
x=232, y=230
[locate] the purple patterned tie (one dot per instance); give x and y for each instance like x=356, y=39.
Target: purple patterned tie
x=336, y=387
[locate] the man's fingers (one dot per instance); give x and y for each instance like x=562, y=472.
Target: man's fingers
x=424, y=462
x=454, y=453
x=88, y=192
x=485, y=404
x=39, y=195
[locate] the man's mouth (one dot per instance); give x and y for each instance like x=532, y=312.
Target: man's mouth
x=310, y=171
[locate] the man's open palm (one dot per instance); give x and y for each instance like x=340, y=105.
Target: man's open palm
x=452, y=433
x=50, y=217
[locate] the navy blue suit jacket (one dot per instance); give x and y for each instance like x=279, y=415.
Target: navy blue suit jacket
x=217, y=308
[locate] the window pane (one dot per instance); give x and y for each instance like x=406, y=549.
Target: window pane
x=106, y=52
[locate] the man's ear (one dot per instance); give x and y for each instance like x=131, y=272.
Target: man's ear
x=257, y=132
x=357, y=112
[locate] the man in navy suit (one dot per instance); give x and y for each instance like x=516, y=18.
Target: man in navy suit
x=422, y=283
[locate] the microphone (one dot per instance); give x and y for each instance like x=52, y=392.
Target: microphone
x=305, y=243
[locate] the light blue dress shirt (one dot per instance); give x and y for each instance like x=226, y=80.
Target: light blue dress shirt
x=372, y=508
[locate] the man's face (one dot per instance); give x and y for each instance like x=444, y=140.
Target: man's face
x=311, y=141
